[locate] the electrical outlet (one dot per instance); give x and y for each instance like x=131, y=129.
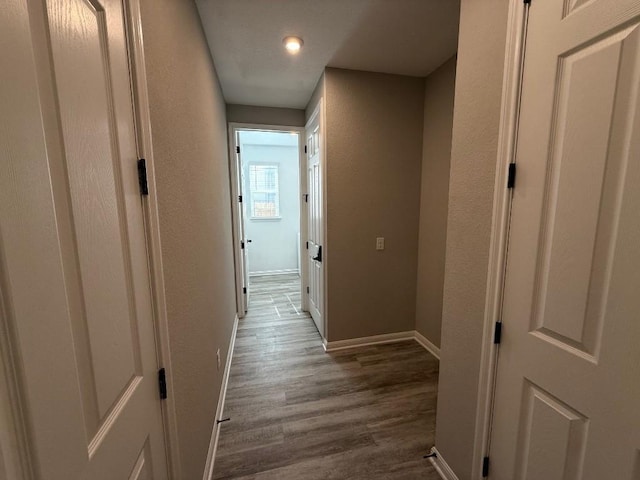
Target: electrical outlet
x=218, y=357
x=380, y=243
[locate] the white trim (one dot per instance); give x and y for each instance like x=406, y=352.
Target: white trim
x=152, y=227
x=264, y=273
x=441, y=466
x=364, y=341
x=514, y=56
x=215, y=434
x=382, y=339
x=427, y=344
x=233, y=127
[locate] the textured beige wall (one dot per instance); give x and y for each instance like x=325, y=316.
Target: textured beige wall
x=476, y=119
x=374, y=152
x=288, y=117
x=190, y=153
x=317, y=94
x=434, y=197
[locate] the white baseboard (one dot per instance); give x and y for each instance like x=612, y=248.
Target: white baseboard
x=213, y=443
x=274, y=272
x=441, y=466
x=364, y=341
x=424, y=341
x=380, y=339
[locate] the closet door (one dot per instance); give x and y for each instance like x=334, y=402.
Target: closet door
x=568, y=386
x=74, y=259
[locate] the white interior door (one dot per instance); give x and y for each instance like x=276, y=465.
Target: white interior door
x=74, y=256
x=241, y=227
x=568, y=383
x=315, y=290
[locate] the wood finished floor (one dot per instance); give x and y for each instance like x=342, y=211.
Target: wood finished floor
x=298, y=413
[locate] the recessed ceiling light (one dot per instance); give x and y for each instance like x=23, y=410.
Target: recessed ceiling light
x=293, y=44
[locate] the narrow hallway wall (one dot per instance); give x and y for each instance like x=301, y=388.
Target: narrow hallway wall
x=476, y=119
x=434, y=198
x=374, y=154
x=190, y=155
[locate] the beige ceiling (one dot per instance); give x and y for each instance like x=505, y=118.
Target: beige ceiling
x=407, y=37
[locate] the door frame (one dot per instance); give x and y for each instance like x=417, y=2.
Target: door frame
x=502, y=198
x=138, y=72
x=10, y=356
x=234, y=174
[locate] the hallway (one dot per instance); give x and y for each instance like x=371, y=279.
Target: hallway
x=297, y=412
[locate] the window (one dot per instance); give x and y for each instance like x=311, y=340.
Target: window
x=264, y=191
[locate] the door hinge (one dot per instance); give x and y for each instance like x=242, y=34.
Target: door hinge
x=244, y=290
x=511, y=179
x=142, y=177
x=305, y=149
x=162, y=384
x=307, y=289
x=242, y=245
x=497, y=333
x=240, y=198
x=237, y=148
x=306, y=198
x=307, y=245
x=485, y=467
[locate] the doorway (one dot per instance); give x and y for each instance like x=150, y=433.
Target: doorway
x=269, y=217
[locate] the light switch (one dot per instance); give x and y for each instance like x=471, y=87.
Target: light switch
x=380, y=243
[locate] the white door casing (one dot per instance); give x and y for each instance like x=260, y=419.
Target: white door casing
x=239, y=209
x=567, y=390
x=315, y=236
x=74, y=255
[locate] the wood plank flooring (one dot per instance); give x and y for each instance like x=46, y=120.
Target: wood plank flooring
x=300, y=413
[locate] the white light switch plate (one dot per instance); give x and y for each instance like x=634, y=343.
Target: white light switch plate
x=380, y=243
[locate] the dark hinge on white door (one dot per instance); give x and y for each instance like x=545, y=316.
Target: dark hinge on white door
x=511, y=178
x=142, y=177
x=237, y=148
x=497, y=333
x=162, y=384
x=485, y=467
x=305, y=149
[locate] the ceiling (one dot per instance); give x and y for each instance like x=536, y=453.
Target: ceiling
x=406, y=37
